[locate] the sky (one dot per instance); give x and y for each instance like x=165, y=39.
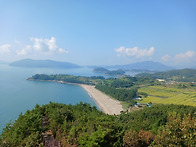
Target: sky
x=99, y=32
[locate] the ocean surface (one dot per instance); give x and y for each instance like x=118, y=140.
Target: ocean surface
x=17, y=95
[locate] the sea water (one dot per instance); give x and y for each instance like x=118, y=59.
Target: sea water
x=19, y=95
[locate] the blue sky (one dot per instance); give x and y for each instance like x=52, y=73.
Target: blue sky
x=99, y=32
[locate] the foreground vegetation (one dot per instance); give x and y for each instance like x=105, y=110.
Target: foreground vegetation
x=82, y=125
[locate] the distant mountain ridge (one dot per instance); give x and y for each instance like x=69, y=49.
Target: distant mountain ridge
x=146, y=65
x=180, y=75
x=194, y=67
x=43, y=64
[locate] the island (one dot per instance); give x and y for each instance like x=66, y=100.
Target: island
x=30, y=63
x=118, y=72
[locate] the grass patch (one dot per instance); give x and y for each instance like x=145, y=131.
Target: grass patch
x=125, y=105
x=169, y=95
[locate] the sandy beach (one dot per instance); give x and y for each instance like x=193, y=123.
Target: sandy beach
x=107, y=104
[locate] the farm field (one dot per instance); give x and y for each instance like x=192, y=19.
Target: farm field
x=169, y=95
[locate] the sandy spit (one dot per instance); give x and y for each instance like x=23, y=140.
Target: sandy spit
x=107, y=104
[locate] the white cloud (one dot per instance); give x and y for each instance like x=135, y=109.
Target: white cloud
x=187, y=55
x=60, y=50
x=25, y=51
x=186, y=59
x=46, y=45
x=37, y=48
x=135, y=52
x=5, y=48
x=165, y=58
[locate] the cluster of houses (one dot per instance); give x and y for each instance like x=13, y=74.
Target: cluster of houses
x=138, y=106
x=142, y=104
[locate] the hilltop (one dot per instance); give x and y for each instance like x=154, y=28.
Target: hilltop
x=83, y=125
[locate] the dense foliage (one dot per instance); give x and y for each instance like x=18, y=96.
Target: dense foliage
x=128, y=82
x=119, y=94
x=182, y=75
x=82, y=125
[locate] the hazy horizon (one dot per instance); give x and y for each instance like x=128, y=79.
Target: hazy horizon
x=99, y=32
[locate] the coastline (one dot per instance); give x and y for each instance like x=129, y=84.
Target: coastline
x=107, y=104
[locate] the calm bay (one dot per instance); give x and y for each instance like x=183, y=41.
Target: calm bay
x=17, y=95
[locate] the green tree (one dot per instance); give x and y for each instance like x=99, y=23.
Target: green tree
x=178, y=132
x=141, y=139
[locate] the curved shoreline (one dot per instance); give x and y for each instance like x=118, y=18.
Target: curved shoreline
x=107, y=104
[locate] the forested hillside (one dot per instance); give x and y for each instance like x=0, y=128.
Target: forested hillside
x=82, y=125
x=68, y=78
x=183, y=75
